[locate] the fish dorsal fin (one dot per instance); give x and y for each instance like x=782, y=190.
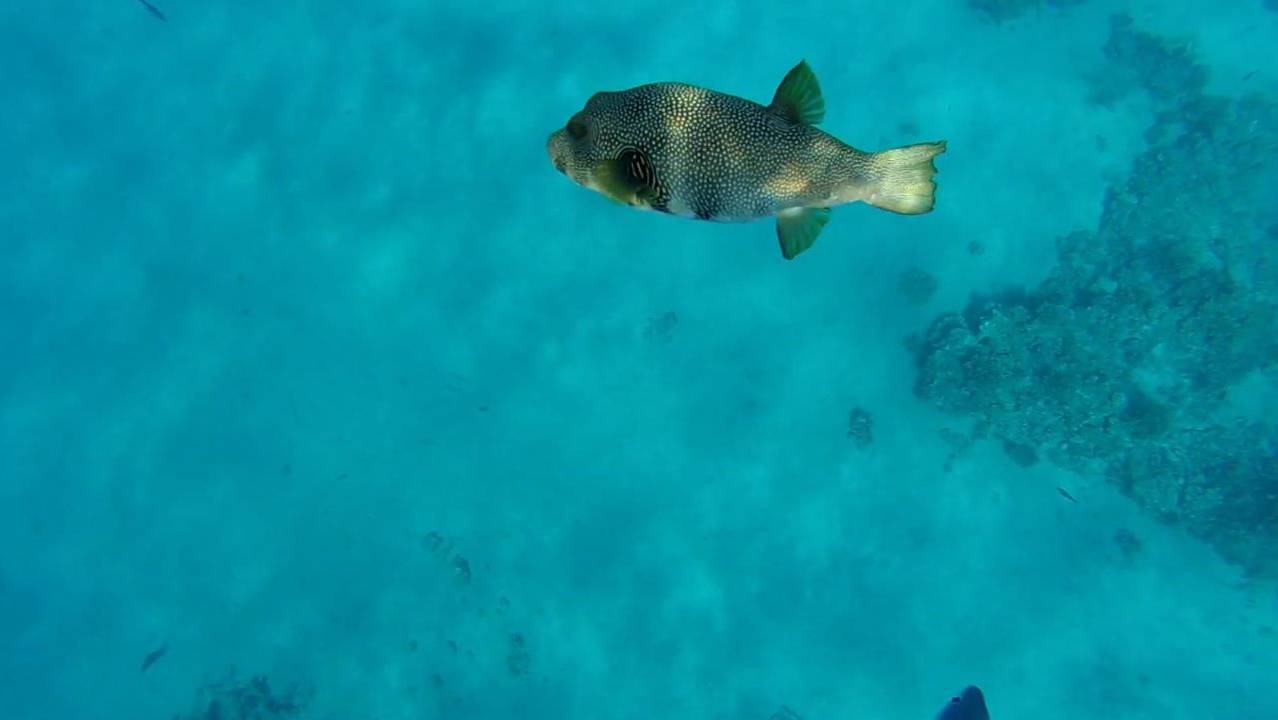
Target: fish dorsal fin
x=967, y=705
x=798, y=98
x=797, y=229
x=628, y=178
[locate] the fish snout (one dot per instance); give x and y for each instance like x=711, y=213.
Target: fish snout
x=556, y=148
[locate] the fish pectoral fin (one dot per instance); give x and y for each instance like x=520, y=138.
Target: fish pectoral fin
x=797, y=229
x=627, y=178
x=798, y=98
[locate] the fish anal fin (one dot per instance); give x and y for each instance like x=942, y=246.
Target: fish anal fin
x=798, y=98
x=797, y=229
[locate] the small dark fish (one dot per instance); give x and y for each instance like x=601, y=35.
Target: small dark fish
x=1065, y=494
x=967, y=705
x=153, y=10
x=154, y=656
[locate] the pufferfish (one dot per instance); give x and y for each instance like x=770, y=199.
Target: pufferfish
x=696, y=153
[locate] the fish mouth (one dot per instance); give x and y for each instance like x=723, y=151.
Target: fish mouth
x=555, y=148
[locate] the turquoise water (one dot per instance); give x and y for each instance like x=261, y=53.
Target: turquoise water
x=314, y=369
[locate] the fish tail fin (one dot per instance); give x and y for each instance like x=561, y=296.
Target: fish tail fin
x=900, y=180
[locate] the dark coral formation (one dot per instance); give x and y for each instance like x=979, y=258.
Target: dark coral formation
x=661, y=328
x=1140, y=62
x=441, y=547
x=1128, y=544
x=917, y=285
x=1020, y=453
x=518, y=659
x=249, y=699
x=861, y=427
x=1120, y=362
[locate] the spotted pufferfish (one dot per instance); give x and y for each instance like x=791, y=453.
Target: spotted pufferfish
x=696, y=153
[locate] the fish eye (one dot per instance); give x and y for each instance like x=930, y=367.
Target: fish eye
x=576, y=129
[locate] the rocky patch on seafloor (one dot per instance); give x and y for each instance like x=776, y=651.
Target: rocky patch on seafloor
x=484, y=636
x=250, y=698
x=1127, y=361
x=471, y=639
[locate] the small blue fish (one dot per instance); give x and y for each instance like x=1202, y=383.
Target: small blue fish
x=967, y=705
x=156, y=12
